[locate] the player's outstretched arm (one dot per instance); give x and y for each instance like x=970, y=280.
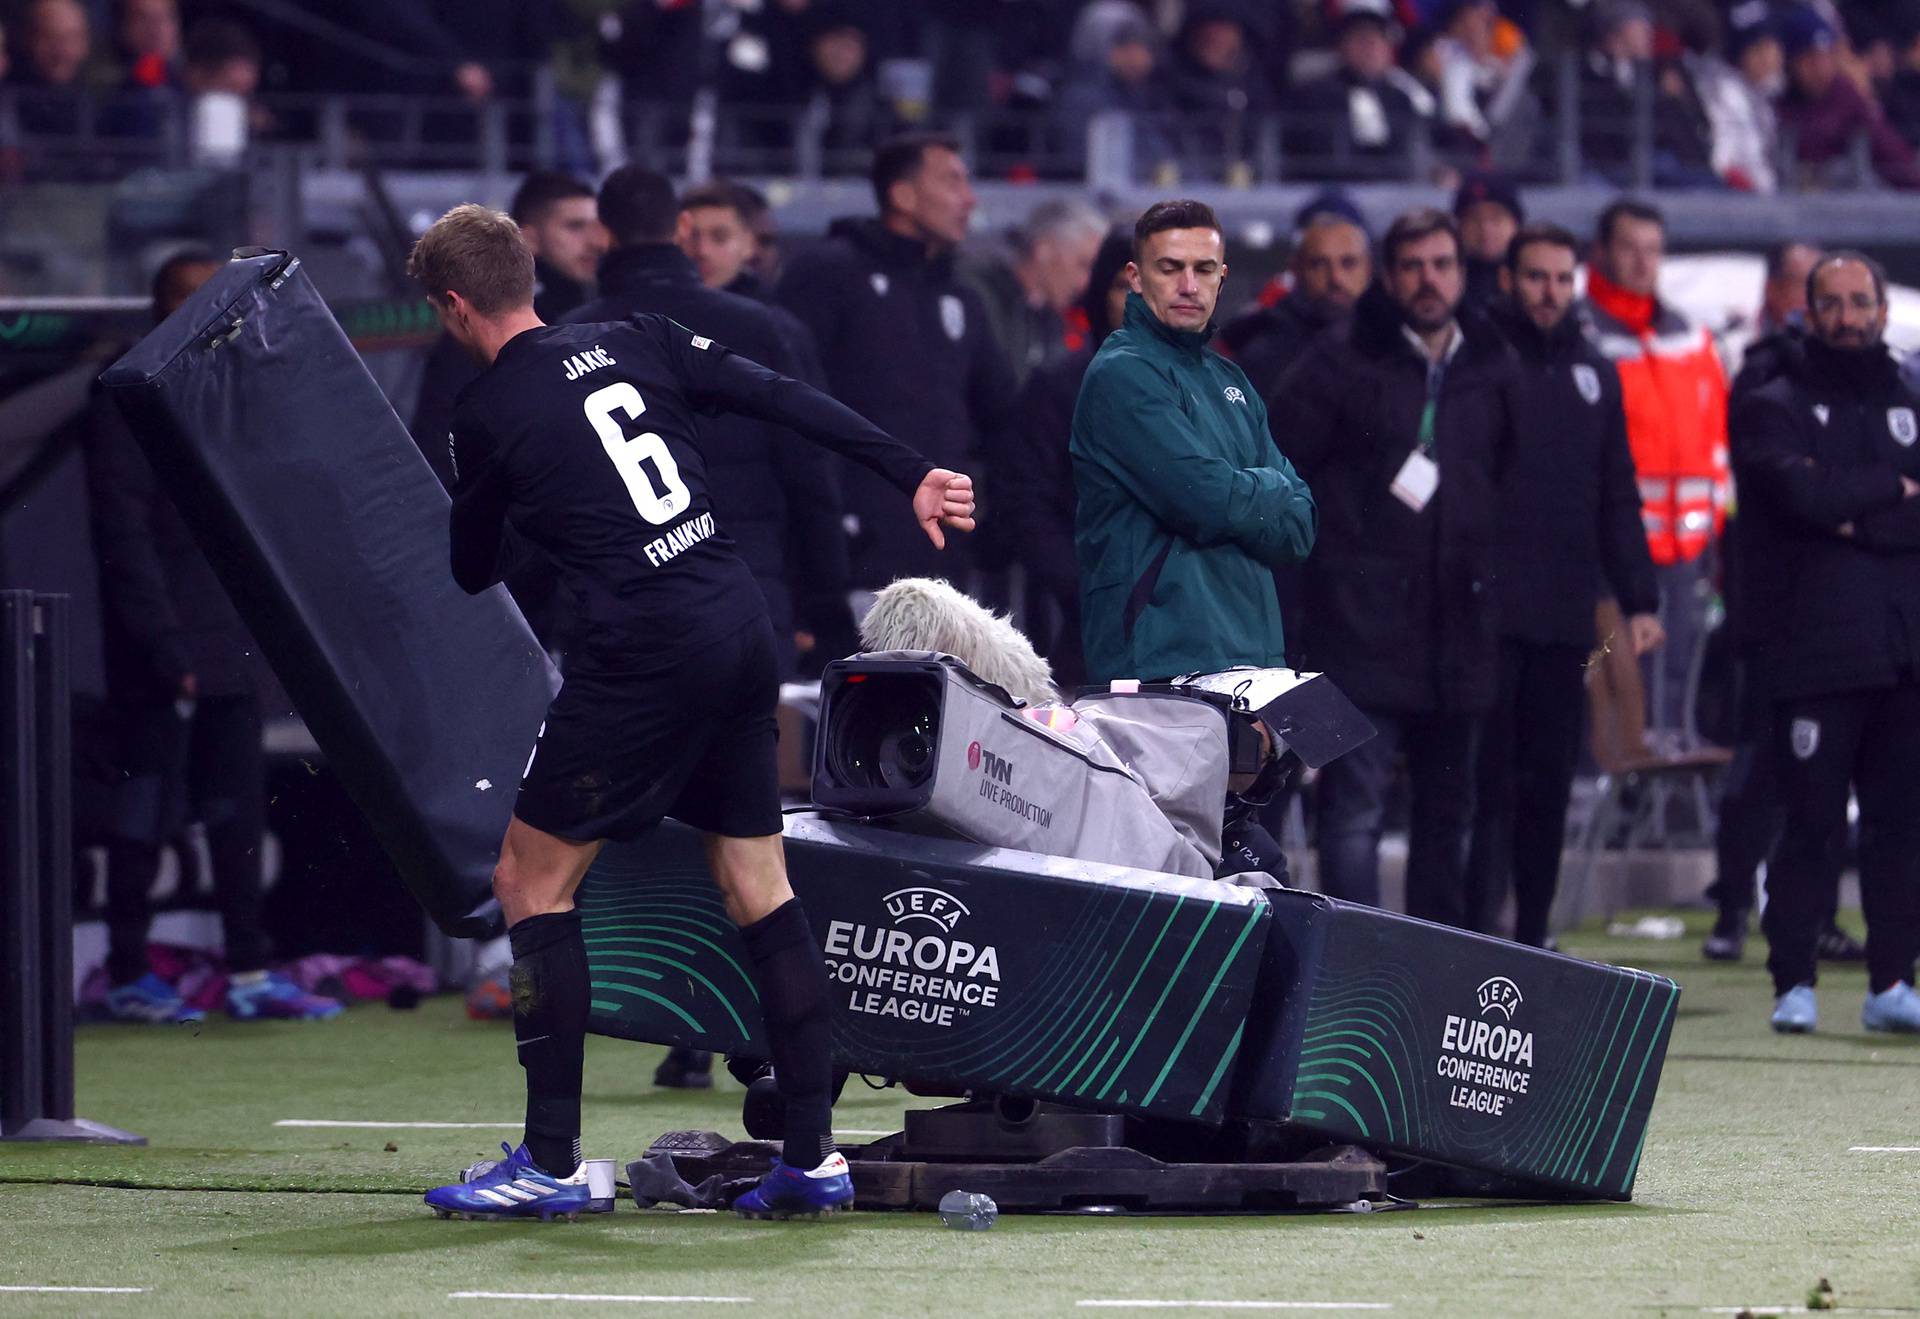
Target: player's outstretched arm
x=719, y=379
x=943, y=499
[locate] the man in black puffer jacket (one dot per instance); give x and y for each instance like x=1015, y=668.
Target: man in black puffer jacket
x=1829, y=469
x=1402, y=427
x=904, y=343
x=1569, y=521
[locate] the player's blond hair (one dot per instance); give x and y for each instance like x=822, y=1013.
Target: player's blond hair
x=478, y=253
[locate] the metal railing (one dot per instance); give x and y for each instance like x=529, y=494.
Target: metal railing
x=1551, y=137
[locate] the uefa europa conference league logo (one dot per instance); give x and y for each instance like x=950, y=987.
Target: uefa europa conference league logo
x=913, y=969
x=1487, y=1057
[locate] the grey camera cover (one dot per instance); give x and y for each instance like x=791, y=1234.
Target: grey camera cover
x=1044, y=779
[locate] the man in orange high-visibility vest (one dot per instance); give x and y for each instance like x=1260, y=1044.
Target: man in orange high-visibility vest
x=1675, y=393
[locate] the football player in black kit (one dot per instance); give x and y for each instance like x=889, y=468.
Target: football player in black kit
x=584, y=439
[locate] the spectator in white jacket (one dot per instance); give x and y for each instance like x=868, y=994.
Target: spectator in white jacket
x=1737, y=94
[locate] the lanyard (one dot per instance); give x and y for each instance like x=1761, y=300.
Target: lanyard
x=1436, y=372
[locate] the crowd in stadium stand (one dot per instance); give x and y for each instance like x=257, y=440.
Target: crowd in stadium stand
x=1679, y=93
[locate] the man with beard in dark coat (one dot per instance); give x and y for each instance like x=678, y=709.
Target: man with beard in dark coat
x=904, y=343
x=1752, y=813
x=1402, y=427
x=1331, y=266
x=1829, y=471
x=771, y=487
x=1037, y=508
x=1569, y=518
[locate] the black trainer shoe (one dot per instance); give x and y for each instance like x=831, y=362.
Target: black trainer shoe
x=1836, y=945
x=685, y=1069
x=1728, y=942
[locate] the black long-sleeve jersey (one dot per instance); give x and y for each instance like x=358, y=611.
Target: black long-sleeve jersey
x=584, y=439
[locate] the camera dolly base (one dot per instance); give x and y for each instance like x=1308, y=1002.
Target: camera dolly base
x=1045, y=1158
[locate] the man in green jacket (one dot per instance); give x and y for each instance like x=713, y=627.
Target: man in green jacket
x=1185, y=505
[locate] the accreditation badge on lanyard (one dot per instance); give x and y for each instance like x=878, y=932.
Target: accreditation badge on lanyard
x=1419, y=475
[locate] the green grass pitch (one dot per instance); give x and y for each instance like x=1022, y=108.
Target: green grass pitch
x=1750, y=1192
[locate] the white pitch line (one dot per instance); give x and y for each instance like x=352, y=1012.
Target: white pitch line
x=1233, y=1304
x=589, y=1296
x=417, y=1126
x=91, y=1291
x=1883, y=1149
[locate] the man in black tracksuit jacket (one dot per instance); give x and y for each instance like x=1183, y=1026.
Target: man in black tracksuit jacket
x=904, y=343
x=1569, y=521
x=1399, y=601
x=1751, y=813
x=781, y=505
x=1828, y=467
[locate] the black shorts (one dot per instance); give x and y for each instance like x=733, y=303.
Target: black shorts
x=690, y=735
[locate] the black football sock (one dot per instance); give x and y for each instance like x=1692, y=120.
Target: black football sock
x=796, y=1004
x=549, y=983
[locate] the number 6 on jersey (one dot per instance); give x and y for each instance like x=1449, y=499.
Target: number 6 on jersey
x=630, y=454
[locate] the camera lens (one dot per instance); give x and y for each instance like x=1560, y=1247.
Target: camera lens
x=882, y=733
x=906, y=755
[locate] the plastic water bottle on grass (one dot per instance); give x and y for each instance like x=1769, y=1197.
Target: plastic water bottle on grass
x=968, y=1211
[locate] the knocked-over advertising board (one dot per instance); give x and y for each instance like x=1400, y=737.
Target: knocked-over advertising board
x=1091, y=985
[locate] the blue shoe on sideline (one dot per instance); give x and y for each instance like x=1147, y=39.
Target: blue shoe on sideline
x=276, y=998
x=150, y=999
x=790, y=1193
x=516, y=1187
x=1794, y=1012
x=1895, y=1009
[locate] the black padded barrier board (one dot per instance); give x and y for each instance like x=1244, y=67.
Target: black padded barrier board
x=330, y=532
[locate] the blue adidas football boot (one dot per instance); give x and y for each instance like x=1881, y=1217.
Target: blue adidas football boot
x=516, y=1187
x=791, y=1193
x=1893, y=1009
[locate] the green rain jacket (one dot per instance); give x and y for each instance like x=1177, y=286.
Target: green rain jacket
x=1185, y=508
